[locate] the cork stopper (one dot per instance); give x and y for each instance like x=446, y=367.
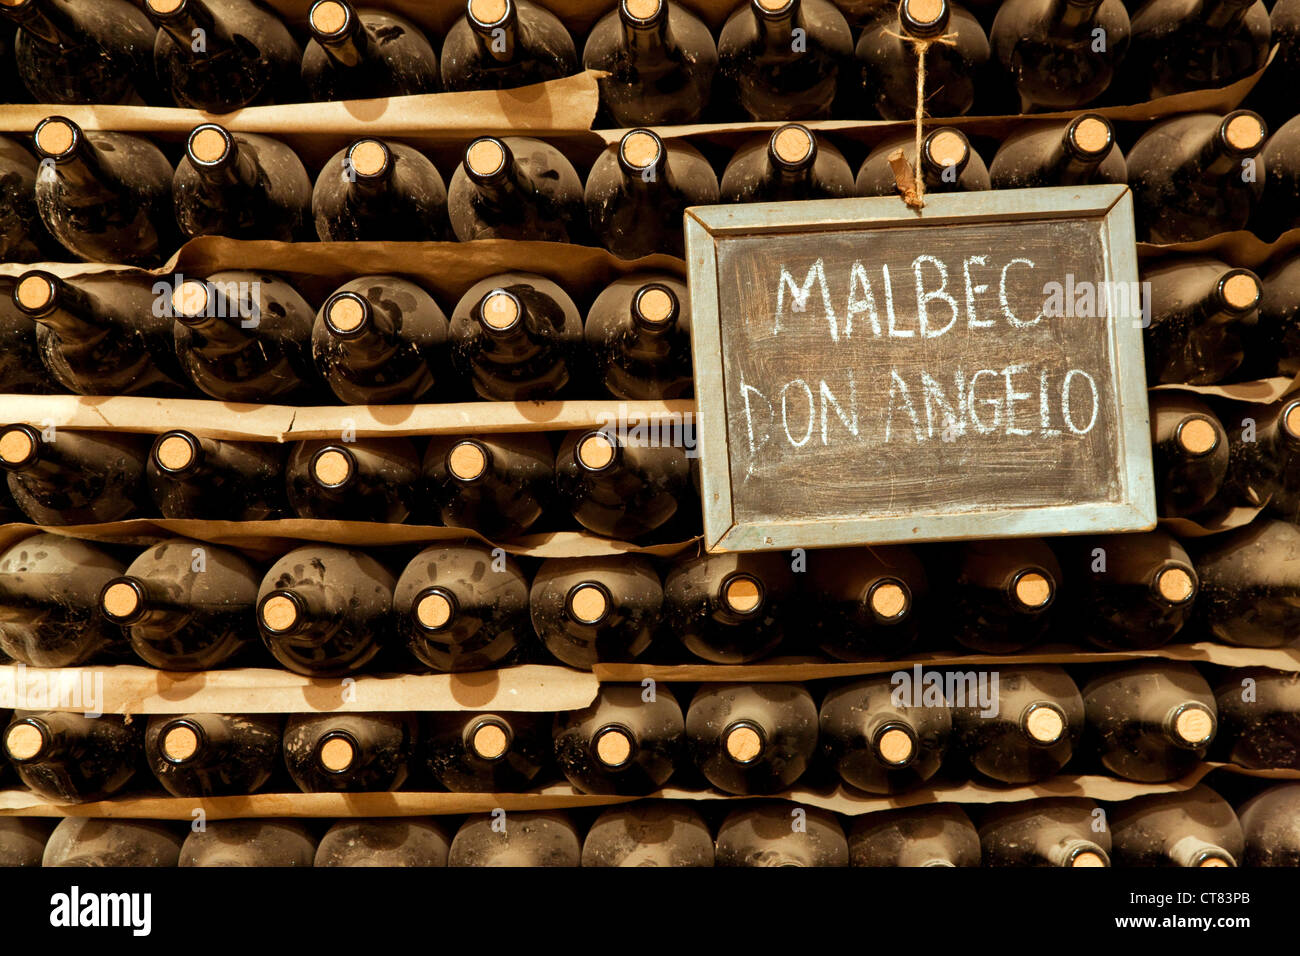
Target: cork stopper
x=1244, y=132
x=180, y=743
x=332, y=468
x=120, y=600
x=279, y=613
x=595, y=451
x=1087, y=858
x=924, y=11
x=164, y=7
x=614, y=747
x=500, y=310
x=24, y=741
x=34, y=292
x=1194, y=725
x=1241, y=291
x=1091, y=135
x=434, y=610
x=895, y=746
x=1044, y=724
x=1032, y=589
x=587, y=603
x=947, y=147
x=190, y=298
x=467, y=460
x=489, y=741
x=1197, y=436
x=337, y=754
x=1175, y=585
x=655, y=305
x=345, y=313
x=792, y=144
x=774, y=6
x=640, y=149
x=485, y=157
x=742, y=594
x=642, y=9
x=55, y=137
x=888, y=599
x=329, y=17
x=1291, y=419
x=209, y=144
x=489, y=11
x=1213, y=861
x=743, y=744
x=369, y=157
x=16, y=446
x=175, y=453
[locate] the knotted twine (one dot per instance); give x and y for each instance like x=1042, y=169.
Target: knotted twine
x=908, y=178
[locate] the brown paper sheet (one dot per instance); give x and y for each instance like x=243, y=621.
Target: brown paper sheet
x=129, y=689
x=1241, y=248
x=1264, y=391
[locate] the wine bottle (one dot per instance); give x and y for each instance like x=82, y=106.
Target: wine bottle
x=589, y=611
x=935, y=835
x=1182, y=45
x=23, y=236
x=101, y=335
x=1150, y=721
x=886, y=57
x=1027, y=731
x=371, y=479
x=620, y=488
x=948, y=164
x=863, y=601
x=70, y=477
x=1189, y=452
x=516, y=187
x=325, y=611
x=242, y=186
x=876, y=743
x=1198, y=308
x=516, y=337
x=1050, y=831
x=729, y=608
x=222, y=55
x=638, y=335
x=244, y=337
x=1002, y=594
x=384, y=842
x=1132, y=591
x=1263, y=450
x=349, y=753
x=649, y=833
x=752, y=738
x=107, y=197
x=213, y=755
x=22, y=372
x=185, y=605
x=500, y=44
x=784, y=59
x=463, y=607
x=1273, y=342
x=1058, y=54
x=1281, y=183
x=1270, y=823
x=498, y=485
x=488, y=753
x=639, y=188
x=250, y=843
x=71, y=758
x=93, y=53
x=1195, y=175
x=622, y=742
x=1194, y=827
x=790, y=164
x=660, y=60
x=48, y=589
x=93, y=841
x=1250, y=585
x=777, y=833
x=23, y=839
x=382, y=191
x=1259, y=718
x=536, y=838
x=1077, y=152
x=357, y=54
x=211, y=479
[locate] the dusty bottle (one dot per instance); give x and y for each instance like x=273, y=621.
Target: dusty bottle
x=729, y=608
x=751, y=738
x=22, y=372
x=623, y=742
x=250, y=843
x=23, y=236
x=1077, y=152
x=948, y=164
x=364, y=53
x=1181, y=45
x=1273, y=344
x=214, y=479
x=91, y=841
x=379, y=190
x=71, y=758
x=638, y=334
x=349, y=753
x=23, y=839
x=1059, y=54
x=886, y=57
x=515, y=187
x=407, y=841
x=1259, y=718
x=619, y=487
x=762, y=835
x=500, y=44
x=1051, y=831
x=790, y=164
x=596, y=610
x=649, y=833
x=1270, y=822
x=939, y=835
x=1189, y=453
x=213, y=755
x=1194, y=827
x=864, y=603
x=70, y=477
x=1199, y=307
x=1250, y=585
x=536, y=838
x=488, y=753
x=1002, y=594
x=370, y=479
x=498, y=485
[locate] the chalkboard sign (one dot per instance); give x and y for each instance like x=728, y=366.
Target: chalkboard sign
x=865, y=373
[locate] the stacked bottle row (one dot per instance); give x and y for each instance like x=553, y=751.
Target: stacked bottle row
x=771, y=60
x=1145, y=721
x=326, y=610
x=1192, y=176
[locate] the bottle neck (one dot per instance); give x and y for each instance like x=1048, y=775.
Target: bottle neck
x=77, y=315
x=238, y=169
x=223, y=320
x=1224, y=15
x=374, y=343
x=191, y=21
x=503, y=189
x=647, y=39
x=499, y=41
x=1068, y=16
x=776, y=28
x=349, y=49
x=49, y=22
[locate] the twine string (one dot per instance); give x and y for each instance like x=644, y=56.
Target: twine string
x=908, y=178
